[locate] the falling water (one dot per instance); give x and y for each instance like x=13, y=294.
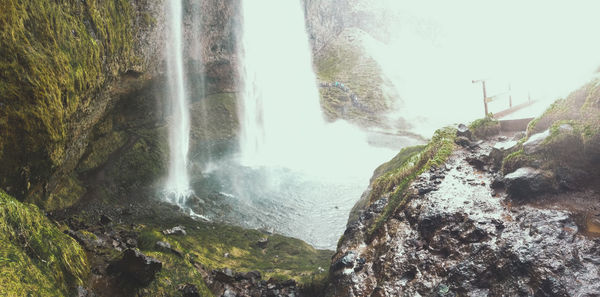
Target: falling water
x=299, y=175
x=177, y=187
x=280, y=114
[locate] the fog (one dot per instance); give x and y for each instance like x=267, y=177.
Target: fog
x=545, y=49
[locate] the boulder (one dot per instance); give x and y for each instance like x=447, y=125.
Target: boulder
x=463, y=131
x=346, y=261
x=136, y=266
x=177, y=230
x=462, y=141
x=527, y=182
x=534, y=143
x=189, y=290
x=501, y=150
x=166, y=247
x=105, y=220
x=262, y=243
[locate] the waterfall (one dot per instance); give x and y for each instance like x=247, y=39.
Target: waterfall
x=177, y=187
x=280, y=115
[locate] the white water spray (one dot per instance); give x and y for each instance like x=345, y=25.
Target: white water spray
x=280, y=112
x=300, y=175
x=177, y=187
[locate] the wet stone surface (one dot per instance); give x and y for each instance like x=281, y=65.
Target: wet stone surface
x=459, y=237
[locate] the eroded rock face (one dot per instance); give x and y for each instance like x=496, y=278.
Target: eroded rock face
x=460, y=238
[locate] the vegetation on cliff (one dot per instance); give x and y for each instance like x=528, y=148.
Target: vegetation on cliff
x=56, y=55
x=36, y=258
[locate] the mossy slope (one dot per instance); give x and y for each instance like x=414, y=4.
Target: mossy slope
x=207, y=246
x=217, y=246
x=36, y=258
x=396, y=175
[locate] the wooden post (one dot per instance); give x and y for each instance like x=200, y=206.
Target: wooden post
x=484, y=98
x=484, y=95
x=509, y=96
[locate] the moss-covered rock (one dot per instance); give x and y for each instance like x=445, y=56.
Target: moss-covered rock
x=485, y=127
x=216, y=246
x=57, y=58
x=36, y=258
x=571, y=137
x=205, y=246
x=400, y=172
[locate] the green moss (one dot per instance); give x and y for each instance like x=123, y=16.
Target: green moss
x=66, y=194
x=148, y=238
x=210, y=246
x=404, y=168
x=218, y=246
x=515, y=161
x=148, y=20
x=176, y=271
x=55, y=54
x=142, y=163
x=580, y=106
x=399, y=160
x=36, y=258
x=101, y=149
x=554, y=108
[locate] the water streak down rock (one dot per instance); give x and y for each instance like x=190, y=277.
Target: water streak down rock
x=177, y=188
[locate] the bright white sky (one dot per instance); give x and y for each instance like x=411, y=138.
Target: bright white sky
x=546, y=48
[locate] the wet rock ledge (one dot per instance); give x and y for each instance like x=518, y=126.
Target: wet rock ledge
x=458, y=233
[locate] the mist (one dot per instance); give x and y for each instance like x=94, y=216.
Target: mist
x=434, y=49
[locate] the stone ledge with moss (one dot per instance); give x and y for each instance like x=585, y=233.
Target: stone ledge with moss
x=387, y=191
x=106, y=228
x=563, y=143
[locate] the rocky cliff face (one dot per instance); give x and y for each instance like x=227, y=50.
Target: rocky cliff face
x=326, y=19
x=340, y=31
x=66, y=68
